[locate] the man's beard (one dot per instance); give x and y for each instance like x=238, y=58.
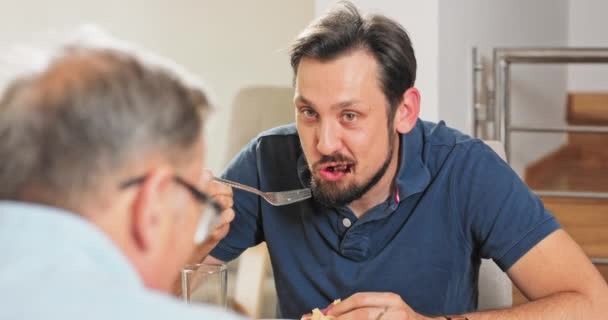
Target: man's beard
x=330, y=194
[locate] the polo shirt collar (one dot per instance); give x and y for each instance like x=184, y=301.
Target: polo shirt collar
x=413, y=176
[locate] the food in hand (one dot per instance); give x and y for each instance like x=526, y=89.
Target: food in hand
x=320, y=314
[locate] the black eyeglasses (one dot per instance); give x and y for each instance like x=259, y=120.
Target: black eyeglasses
x=200, y=196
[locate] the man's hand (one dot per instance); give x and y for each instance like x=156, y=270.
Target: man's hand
x=222, y=194
x=373, y=306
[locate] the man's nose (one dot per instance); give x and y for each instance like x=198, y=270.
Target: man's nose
x=329, y=139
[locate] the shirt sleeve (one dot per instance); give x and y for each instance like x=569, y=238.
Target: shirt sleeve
x=502, y=218
x=246, y=228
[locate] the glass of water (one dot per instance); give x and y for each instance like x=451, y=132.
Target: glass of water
x=205, y=283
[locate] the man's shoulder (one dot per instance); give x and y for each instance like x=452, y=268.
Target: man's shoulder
x=288, y=130
x=470, y=158
x=60, y=297
x=171, y=308
x=439, y=134
x=449, y=149
x=277, y=141
x=272, y=151
x=149, y=304
x=442, y=142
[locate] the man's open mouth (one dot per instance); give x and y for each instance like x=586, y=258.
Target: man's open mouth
x=346, y=168
x=335, y=171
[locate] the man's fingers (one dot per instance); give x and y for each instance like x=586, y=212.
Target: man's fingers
x=220, y=227
x=225, y=201
x=225, y=217
x=220, y=192
x=306, y=316
x=219, y=233
x=217, y=188
x=326, y=310
x=364, y=300
x=373, y=313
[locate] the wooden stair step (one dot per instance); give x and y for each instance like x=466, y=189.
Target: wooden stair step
x=589, y=142
x=572, y=167
x=585, y=220
x=587, y=108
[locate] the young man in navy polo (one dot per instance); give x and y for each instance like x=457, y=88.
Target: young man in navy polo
x=402, y=209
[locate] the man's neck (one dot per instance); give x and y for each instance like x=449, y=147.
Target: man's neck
x=382, y=190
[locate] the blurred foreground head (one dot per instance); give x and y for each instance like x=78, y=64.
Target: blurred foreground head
x=81, y=115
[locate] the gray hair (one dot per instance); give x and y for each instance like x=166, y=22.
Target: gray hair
x=87, y=112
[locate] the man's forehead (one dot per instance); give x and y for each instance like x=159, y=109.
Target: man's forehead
x=337, y=105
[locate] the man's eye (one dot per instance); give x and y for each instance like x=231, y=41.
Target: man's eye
x=349, y=117
x=308, y=113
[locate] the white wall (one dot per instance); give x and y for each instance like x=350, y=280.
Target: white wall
x=588, y=28
x=538, y=92
x=231, y=44
x=419, y=18
x=443, y=33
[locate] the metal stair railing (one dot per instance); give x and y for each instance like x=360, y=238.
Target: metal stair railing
x=495, y=111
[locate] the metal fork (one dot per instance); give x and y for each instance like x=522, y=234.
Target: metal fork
x=279, y=198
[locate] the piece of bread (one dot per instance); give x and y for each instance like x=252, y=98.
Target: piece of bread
x=317, y=314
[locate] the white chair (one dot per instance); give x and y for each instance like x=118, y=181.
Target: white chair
x=495, y=290
x=250, y=280
x=254, y=110
x=258, y=108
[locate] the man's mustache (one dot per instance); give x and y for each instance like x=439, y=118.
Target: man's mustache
x=336, y=157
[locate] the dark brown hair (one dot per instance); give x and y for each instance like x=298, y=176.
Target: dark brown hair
x=343, y=29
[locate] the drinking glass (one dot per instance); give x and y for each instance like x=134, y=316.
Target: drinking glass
x=205, y=283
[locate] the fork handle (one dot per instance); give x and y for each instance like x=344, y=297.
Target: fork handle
x=239, y=186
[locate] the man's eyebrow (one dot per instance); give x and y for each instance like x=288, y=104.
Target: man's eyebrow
x=339, y=105
x=300, y=98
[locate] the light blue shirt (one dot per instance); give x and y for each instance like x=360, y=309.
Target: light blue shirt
x=56, y=265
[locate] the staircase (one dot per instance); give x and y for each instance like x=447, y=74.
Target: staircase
x=579, y=165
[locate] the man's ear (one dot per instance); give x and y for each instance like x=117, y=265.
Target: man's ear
x=150, y=206
x=408, y=111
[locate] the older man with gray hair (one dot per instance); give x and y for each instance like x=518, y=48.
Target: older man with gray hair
x=102, y=184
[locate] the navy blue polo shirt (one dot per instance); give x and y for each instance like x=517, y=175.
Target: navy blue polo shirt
x=455, y=202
